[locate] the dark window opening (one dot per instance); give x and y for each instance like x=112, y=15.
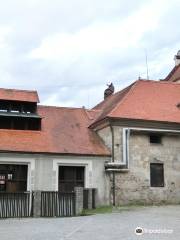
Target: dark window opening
x=18, y=123
x=70, y=177
x=157, y=174
x=19, y=115
x=157, y=139
x=17, y=107
x=34, y=124
x=13, y=178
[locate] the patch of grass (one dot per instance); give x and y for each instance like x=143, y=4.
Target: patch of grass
x=118, y=209
x=98, y=210
x=107, y=209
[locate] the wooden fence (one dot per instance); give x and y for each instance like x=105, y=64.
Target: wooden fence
x=45, y=203
x=57, y=204
x=15, y=205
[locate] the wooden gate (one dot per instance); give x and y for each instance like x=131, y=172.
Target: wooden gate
x=15, y=204
x=57, y=204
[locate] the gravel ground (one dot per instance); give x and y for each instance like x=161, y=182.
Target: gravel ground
x=115, y=226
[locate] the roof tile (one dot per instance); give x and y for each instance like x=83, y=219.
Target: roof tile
x=145, y=100
x=64, y=131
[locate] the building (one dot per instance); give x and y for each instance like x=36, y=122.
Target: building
x=48, y=148
x=127, y=147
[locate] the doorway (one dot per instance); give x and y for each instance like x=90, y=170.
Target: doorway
x=70, y=177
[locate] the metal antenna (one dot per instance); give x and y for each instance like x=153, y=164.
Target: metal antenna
x=147, y=69
x=88, y=99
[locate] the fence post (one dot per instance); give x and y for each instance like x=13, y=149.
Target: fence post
x=78, y=200
x=37, y=204
x=94, y=197
x=90, y=196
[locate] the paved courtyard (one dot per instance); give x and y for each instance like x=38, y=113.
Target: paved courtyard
x=115, y=226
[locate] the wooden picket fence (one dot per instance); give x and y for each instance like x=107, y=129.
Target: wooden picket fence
x=15, y=204
x=57, y=204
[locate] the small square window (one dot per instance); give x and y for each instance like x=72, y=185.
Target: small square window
x=157, y=139
x=157, y=174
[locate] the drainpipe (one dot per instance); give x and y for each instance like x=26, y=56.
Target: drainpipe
x=126, y=135
x=113, y=173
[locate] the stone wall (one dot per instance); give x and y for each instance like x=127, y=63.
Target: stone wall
x=134, y=186
x=106, y=136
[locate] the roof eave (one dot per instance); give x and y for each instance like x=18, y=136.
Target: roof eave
x=56, y=153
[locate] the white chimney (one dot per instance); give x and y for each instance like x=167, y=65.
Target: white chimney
x=177, y=58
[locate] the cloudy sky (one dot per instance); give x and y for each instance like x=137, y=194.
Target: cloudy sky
x=70, y=49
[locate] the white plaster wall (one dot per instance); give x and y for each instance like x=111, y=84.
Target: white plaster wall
x=43, y=171
x=95, y=176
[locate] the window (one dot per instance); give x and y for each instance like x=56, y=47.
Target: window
x=155, y=139
x=157, y=174
x=13, y=178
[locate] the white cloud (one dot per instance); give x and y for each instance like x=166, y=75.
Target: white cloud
x=101, y=37
x=68, y=50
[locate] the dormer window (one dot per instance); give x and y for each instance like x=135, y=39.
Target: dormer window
x=18, y=110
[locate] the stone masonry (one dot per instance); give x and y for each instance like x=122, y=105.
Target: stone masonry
x=133, y=186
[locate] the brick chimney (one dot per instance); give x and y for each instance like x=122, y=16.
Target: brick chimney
x=109, y=91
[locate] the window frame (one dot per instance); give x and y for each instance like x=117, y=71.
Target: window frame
x=156, y=185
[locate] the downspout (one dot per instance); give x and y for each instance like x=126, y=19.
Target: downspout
x=113, y=173
x=126, y=135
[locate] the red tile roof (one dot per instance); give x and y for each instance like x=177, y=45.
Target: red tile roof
x=64, y=131
x=174, y=75
x=144, y=100
x=19, y=95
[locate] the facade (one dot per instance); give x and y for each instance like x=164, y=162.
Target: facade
x=127, y=147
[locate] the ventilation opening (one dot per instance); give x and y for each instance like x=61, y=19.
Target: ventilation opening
x=156, y=139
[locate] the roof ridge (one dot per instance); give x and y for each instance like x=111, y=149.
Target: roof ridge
x=132, y=86
x=107, y=99
x=172, y=72
x=93, y=110
x=49, y=106
x=18, y=90
x=157, y=81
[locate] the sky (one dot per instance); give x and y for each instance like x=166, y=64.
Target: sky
x=69, y=50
